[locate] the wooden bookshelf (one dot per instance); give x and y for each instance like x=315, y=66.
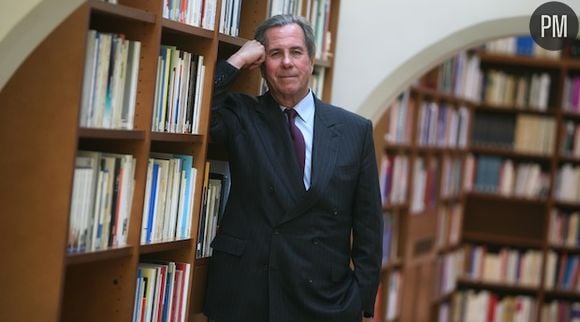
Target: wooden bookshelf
x=489, y=218
x=40, y=127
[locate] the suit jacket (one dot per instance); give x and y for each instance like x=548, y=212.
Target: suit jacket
x=282, y=253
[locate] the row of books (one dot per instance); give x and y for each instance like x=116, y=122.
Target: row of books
x=451, y=177
x=567, y=187
x=571, y=94
x=109, y=81
x=523, y=91
x=450, y=267
x=461, y=76
x=535, y=134
x=168, y=202
x=562, y=271
x=564, y=228
x=560, y=311
x=279, y=7
x=523, y=133
x=101, y=201
x=178, y=91
x=506, y=265
x=393, y=178
x=401, y=113
x=492, y=174
x=161, y=292
x=216, y=188
x=317, y=81
x=318, y=13
x=390, y=237
x=485, y=306
x=519, y=45
x=449, y=224
x=442, y=125
x=425, y=185
x=571, y=139
x=197, y=13
x=230, y=17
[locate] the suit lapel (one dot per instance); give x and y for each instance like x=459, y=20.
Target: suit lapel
x=277, y=144
x=324, y=152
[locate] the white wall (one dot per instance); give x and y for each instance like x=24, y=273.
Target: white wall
x=383, y=45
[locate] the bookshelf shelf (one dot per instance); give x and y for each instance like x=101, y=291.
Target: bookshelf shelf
x=563, y=294
x=521, y=61
x=396, y=207
x=171, y=26
x=507, y=109
x=175, y=137
x=481, y=238
x=89, y=133
x=396, y=147
x=433, y=94
x=567, y=204
x=323, y=63
x=503, y=152
x=571, y=115
x=569, y=159
x=394, y=264
x=504, y=288
x=565, y=248
x=101, y=255
x=121, y=11
x=512, y=199
x=232, y=41
x=166, y=246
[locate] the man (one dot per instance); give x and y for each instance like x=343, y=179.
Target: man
x=304, y=199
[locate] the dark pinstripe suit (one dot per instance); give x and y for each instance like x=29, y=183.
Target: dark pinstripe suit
x=282, y=253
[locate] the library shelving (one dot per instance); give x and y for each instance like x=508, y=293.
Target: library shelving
x=87, y=118
x=507, y=237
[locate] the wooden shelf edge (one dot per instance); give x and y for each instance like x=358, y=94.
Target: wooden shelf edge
x=121, y=11
x=94, y=133
x=446, y=97
x=176, y=26
x=520, y=60
x=230, y=40
x=166, y=246
x=498, y=286
x=510, y=109
x=508, y=153
x=498, y=197
x=176, y=137
x=101, y=255
x=474, y=237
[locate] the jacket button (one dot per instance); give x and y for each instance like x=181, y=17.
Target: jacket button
x=276, y=232
x=271, y=188
x=309, y=281
x=335, y=212
x=315, y=242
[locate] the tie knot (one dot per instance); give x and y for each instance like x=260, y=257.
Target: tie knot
x=291, y=113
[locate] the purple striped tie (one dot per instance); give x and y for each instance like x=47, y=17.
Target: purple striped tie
x=297, y=137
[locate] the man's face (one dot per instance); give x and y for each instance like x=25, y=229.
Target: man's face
x=288, y=66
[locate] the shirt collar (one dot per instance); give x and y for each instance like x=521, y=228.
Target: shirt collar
x=305, y=108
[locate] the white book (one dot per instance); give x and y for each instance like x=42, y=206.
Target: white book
x=131, y=83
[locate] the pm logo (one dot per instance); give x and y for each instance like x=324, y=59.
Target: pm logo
x=553, y=25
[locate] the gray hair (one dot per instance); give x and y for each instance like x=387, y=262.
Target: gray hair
x=282, y=20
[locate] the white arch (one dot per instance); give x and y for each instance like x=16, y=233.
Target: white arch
x=25, y=25
x=374, y=105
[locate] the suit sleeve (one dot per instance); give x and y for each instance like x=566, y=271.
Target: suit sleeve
x=367, y=225
x=223, y=118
